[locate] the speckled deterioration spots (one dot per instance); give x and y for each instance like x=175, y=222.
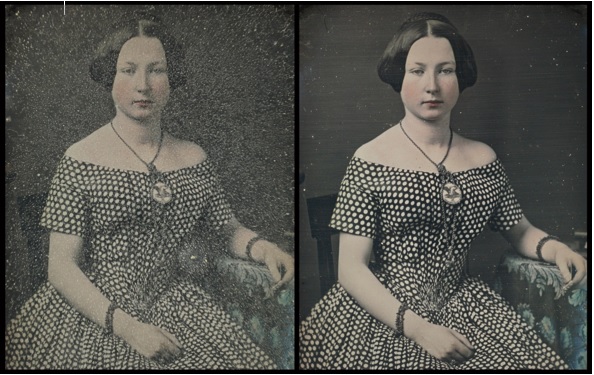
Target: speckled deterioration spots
x=134, y=268
x=402, y=210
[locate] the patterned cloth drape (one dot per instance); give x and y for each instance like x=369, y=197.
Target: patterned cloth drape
x=535, y=290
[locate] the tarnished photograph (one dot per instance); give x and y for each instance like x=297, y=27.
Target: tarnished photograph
x=149, y=187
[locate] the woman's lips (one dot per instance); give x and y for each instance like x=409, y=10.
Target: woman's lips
x=143, y=103
x=433, y=103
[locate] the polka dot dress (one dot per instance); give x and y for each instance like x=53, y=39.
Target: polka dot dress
x=402, y=211
x=131, y=247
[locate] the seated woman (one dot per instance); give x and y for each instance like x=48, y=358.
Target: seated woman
x=423, y=193
x=124, y=198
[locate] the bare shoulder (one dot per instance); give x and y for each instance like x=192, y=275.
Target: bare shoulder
x=187, y=152
x=380, y=149
x=77, y=150
x=90, y=148
x=478, y=152
x=367, y=151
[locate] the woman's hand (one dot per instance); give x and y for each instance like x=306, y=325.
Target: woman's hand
x=151, y=341
x=568, y=260
x=277, y=261
x=280, y=263
x=441, y=342
x=524, y=237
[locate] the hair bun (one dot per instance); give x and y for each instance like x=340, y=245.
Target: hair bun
x=427, y=16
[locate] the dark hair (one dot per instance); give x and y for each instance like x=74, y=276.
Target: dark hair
x=103, y=65
x=391, y=66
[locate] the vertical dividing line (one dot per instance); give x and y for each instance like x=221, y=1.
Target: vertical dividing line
x=64, y=7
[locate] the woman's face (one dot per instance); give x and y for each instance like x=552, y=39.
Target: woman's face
x=141, y=86
x=430, y=86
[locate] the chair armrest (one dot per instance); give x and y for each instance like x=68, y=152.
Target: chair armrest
x=244, y=287
x=241, y=287
x=535, y=290
x=255, y=279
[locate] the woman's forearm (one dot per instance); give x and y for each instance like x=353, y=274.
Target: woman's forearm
x=71, y=282
x=365, y=288
x=524, y=238
x=74, y=285
x=246, y=243
x=240, y=237
x=357, y=279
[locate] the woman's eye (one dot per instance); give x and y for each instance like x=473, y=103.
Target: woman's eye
x=447, y=71
x=159, y=70
x=127, y=71
x=417, y=72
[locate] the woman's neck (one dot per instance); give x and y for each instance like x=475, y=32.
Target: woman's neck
x=138, y=132
x=428, y=133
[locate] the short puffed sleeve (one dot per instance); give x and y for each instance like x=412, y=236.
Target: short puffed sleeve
x=219, y=210
x=507, y=212
x=67, y=206
x=357, y=206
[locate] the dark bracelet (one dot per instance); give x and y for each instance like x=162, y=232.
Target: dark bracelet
x=400, y=319
x=109, y=318
x=541, y=244
x=249, y=246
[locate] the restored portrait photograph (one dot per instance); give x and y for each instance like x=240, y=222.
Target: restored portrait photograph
x=443, y=187
x=150, y=187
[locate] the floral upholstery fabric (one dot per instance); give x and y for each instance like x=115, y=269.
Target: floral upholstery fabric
x=242, y=288
x=535, y=290
x=269, y=320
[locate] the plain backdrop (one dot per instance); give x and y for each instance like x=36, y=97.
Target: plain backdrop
x=530, y=104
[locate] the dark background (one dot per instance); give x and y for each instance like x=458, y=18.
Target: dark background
x=238, y=105
x=530, y=105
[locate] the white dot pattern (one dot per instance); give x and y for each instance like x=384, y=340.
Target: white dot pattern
x=402, y=211
x=133, y=243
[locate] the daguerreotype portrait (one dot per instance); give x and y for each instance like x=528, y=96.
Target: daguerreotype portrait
x=149, y=187
x=443, y=186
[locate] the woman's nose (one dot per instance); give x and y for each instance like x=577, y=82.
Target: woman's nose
x=431, y=85
x=141, y=81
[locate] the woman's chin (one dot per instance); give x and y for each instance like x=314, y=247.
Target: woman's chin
x=436, y=117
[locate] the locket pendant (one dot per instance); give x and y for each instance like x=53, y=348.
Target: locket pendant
x=451, y=193
x=160, y=191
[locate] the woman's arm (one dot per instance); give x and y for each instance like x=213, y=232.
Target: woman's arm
x=66, y=276
x=262, y=251
x=68, y=279
x=356, y=278
x=524, y=237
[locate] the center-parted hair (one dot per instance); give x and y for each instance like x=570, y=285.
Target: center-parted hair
x=103, y=65
x=391, y=67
